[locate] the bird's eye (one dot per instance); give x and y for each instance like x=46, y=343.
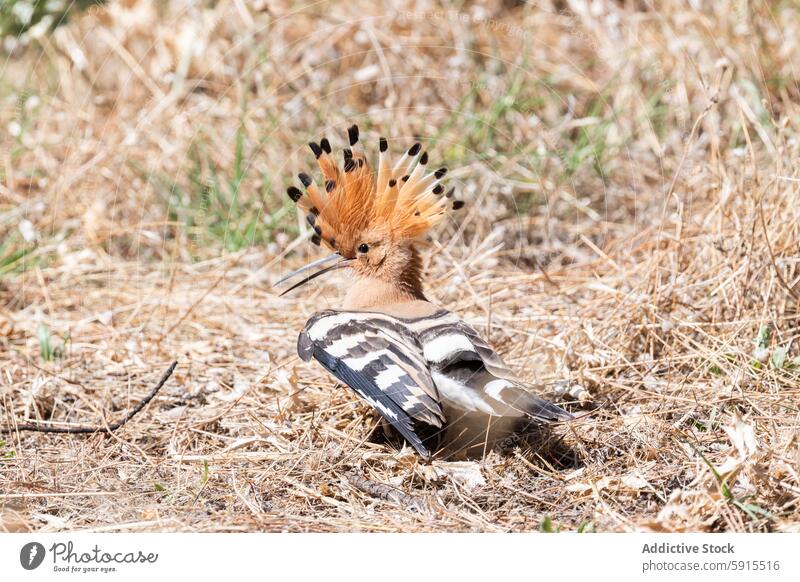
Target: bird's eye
x=363, y=248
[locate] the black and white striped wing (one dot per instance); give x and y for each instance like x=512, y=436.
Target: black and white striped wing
x=471, y=376
x=382, y=361
x=447, y=340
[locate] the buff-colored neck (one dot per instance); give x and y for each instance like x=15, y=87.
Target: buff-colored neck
x=371, y=293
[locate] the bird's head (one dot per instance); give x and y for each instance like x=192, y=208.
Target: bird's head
x=376, y=254
x=371, y=220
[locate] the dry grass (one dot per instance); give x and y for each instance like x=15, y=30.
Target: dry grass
x=632, y=240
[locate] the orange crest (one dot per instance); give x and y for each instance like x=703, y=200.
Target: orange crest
x=403, y=200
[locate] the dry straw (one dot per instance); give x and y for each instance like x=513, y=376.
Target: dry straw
x=631, y=239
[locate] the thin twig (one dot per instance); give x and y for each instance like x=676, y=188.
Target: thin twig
x=93, y=429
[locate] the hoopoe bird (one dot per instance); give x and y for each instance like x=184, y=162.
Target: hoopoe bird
x=425, y=371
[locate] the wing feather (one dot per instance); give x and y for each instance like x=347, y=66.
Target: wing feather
x=452, y=341
x=473, y=377
x=382, y=362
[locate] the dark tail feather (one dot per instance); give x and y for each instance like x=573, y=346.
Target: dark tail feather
x=539, y=409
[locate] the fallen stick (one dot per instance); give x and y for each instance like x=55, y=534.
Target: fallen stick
x=35, y=427
x=383, y=491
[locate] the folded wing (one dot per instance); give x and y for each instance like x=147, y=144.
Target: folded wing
x=380, y=359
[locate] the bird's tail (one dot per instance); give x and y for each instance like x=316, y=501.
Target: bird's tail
x=520, y=398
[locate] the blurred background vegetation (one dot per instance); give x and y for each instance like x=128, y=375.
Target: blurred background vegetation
x=18, y=17
x=563, y=119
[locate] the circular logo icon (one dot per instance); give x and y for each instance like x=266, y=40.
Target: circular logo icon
x=31, y=555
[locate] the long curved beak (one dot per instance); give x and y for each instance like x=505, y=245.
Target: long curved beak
x=340, y=264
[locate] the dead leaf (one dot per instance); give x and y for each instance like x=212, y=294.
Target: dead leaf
x=466, y=473
x=743, y=437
